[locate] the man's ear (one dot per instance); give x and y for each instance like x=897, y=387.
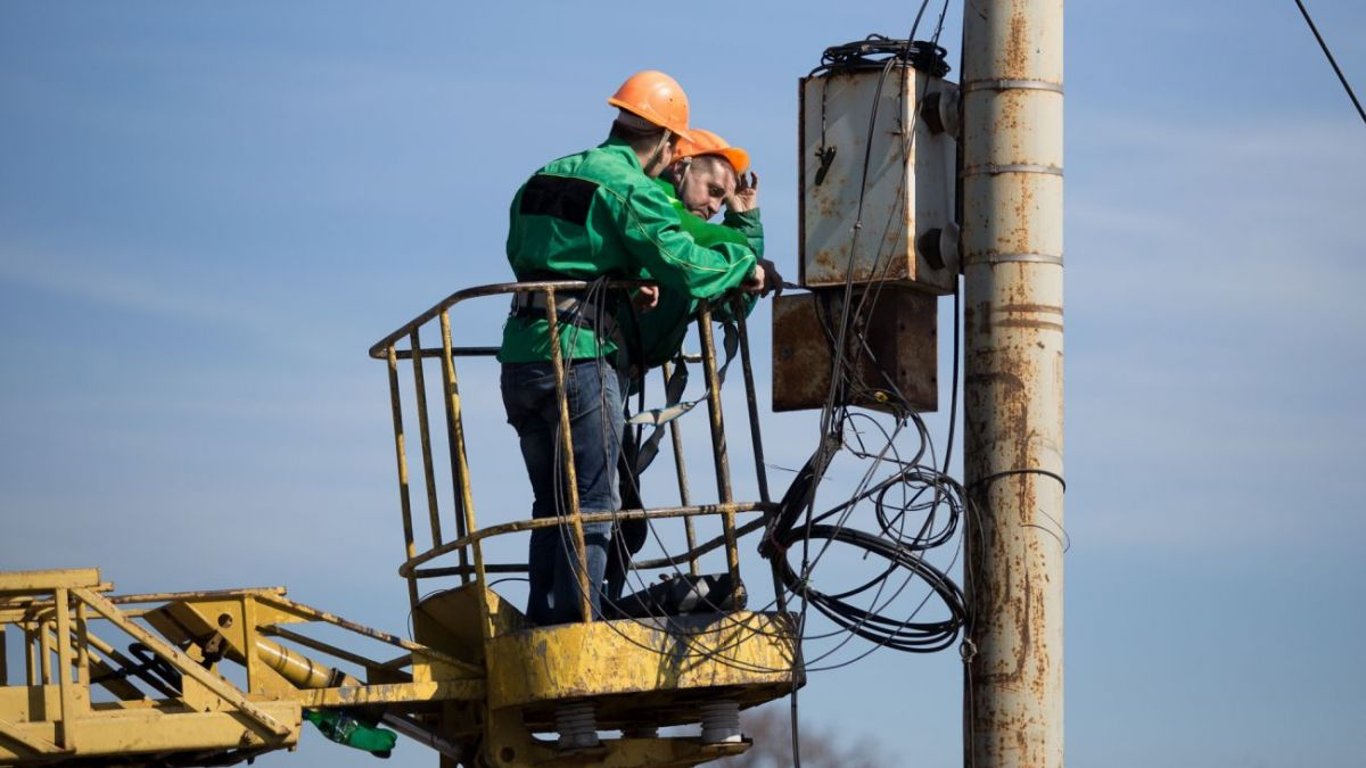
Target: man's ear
x=676, y=168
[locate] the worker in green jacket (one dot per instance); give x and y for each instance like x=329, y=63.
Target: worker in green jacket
x=591, y=216
x=706, y=175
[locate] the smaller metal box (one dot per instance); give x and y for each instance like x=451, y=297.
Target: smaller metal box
x=877, y=179
x=891, y=348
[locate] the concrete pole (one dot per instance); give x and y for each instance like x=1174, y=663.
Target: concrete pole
x=1013, y=390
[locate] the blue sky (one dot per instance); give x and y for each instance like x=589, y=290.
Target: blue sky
x=208, y=212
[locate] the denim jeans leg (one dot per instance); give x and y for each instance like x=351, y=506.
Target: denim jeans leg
x=523, y=387
x=593, y=391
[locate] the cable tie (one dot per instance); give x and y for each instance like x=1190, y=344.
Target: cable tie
x=968, y=650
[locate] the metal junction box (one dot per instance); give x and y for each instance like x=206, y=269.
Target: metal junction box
x=908, y=233
x=898, y=324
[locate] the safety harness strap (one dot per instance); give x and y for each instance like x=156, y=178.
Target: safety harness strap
x=571, y=309
x=674, y=406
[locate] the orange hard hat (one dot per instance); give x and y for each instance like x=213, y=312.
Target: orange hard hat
x=656, y=98
x=704, y=142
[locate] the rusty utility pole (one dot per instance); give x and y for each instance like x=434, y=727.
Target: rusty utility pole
x=1013, y=319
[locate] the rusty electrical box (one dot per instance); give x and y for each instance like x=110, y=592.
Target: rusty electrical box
x=891, y=354
x=878, y=150
x=878, y=179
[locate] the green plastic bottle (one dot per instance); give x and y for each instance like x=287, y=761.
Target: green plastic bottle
x=342, y=728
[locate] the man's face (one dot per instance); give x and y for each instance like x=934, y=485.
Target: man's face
x=704, y=184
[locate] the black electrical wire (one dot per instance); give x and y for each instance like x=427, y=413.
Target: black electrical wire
x=894, y=633
x=1331, y=61
x=929, y=58
x=876, y=51
x=923, y=491
x=882, y=53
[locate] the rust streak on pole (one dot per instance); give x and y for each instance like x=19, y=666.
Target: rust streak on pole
x=1013, y=389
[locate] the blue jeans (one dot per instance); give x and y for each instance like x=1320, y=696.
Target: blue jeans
x=596, y=424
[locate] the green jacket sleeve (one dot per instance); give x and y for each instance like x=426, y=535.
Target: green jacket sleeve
x=749, y=225
x=652, y=232
x=742, y=228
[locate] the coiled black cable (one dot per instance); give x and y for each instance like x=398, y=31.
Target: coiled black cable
x=913, y=490
x=874, y=51
x=902, y=634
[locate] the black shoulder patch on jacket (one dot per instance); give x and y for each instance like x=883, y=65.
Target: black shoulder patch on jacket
x=557, y=196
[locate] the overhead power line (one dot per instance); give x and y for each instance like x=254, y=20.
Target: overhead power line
x=1346, y=86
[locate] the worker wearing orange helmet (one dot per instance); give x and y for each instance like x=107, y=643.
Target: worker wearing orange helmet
x=706, y=174
x=591, y=216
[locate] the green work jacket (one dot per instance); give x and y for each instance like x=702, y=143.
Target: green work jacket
x=597, y=214
x=661, y=330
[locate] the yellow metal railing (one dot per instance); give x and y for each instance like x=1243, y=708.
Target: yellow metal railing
x=405, y=344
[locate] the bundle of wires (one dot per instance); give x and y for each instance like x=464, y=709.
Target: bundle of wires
x=925, y=490
x=876, y=51
x=916, y=508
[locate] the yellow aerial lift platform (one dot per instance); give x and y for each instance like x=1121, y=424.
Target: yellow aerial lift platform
x=142, y=679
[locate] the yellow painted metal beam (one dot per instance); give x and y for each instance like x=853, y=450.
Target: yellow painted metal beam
x=31, y=742
x=393, y=693
x=65, y=658
x=46, y=581
x=307, y=613
x=126, y=732
x=208, y=594
x=186, y=666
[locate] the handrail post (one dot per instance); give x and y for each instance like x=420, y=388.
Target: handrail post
x=401, y=458
x=718, y=436
x=424, y=435
x=455, y=435
x=681, y=470
x=760, y=471
x=567, y=448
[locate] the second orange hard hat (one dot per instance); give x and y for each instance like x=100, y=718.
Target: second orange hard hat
x=656, y=98
x=704, y=142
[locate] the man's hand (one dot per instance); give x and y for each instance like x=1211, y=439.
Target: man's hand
x=773, y=282
x=755, y=282
x=764, y=280
x=646, y=298
x=746, y=195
